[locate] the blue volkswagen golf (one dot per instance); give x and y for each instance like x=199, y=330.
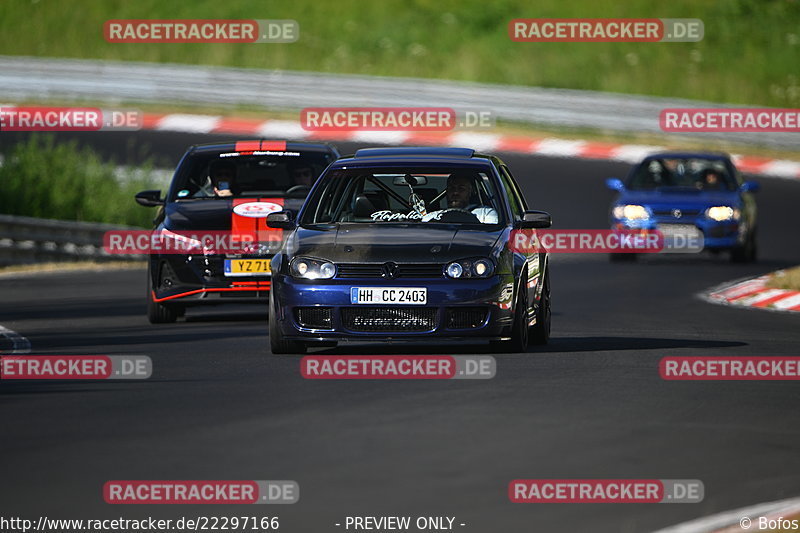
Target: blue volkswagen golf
x=410, y=244
x=700, y=196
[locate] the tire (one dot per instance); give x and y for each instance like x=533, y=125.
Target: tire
x=623, y=258
x=746, y=253
x=158, y=313
x=277, y=343
x=519, y=331
x=539, y=333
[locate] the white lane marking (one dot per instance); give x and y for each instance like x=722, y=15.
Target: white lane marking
x=289, y=129
x=781, y=168
x=19, y=344
x=633, y=153
x=381, y=137
x=188, y=123
x=710, y=524
x=560, y=147
x=477, y=141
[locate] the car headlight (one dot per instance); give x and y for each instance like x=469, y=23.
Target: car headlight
x=721, y=213
x=631, y=212
x=470, y=268
x=307, y=268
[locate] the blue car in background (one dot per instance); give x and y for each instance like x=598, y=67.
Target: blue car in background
x=691, y=194
x=410, y=244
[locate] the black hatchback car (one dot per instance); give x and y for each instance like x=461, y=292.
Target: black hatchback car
x=226, y=188
x=410, y=244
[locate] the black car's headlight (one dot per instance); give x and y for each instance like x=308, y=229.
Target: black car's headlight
x=308, y=268
x=470, y=268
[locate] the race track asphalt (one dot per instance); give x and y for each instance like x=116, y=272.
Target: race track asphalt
x=589, y=405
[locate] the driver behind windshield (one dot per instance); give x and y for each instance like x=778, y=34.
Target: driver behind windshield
x=460, y=196
x=222, y=175
x=302, y=174
x=711, y=179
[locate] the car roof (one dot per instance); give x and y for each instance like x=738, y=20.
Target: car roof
x=264, y=145
x=417, y=156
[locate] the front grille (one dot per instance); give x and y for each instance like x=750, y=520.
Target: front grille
x=313, y=317
x=389, y=318
x=466, y=317
x=377, y=271
x=669, y=212
x=349, y=270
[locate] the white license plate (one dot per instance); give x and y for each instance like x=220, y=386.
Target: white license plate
x=389, y=295
x=687, y=230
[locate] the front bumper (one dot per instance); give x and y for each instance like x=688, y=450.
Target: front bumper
x=443, y=315
x=189, y=280
x=716, y=235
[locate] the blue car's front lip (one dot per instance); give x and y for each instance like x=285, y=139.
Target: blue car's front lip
x=441, y=294
x=726, y=234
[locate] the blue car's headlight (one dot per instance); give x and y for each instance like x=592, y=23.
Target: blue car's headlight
x=470, y=268
x=631, y=212
x=308, y=268
x=721, y=213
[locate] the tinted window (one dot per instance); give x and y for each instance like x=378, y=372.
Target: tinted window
x=694, y=173
x=406, y=195
x=247, y=175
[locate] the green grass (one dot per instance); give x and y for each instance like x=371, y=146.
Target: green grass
x=749, y=55
x=785, y=279
x=62, y=181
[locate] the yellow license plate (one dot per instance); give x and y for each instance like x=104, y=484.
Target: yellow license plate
x=247, y=267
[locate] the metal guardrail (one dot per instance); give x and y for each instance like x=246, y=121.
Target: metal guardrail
x=116, y=81
x=34, y=240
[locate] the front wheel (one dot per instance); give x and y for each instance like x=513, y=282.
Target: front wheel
x=519, y=331
x=158, y=313
x=540, y=332
x=277, y=343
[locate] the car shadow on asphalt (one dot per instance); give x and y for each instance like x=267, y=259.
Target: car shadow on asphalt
x=556, y=345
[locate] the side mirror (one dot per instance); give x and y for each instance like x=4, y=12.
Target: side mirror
x=149, y=198
x=281, y=220
x=750, y=186
x=535, y=219
x=615, y=184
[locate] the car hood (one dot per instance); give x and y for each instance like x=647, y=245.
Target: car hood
x=679, y=198
x=213, y=214
x=377, y=243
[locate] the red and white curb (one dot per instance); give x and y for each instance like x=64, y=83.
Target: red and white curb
x=754, y=293
x=739, y=520
x=485, y=142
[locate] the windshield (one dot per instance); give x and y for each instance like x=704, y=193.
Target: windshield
x=406, y=195
x=694, y=173
x=219, y=175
